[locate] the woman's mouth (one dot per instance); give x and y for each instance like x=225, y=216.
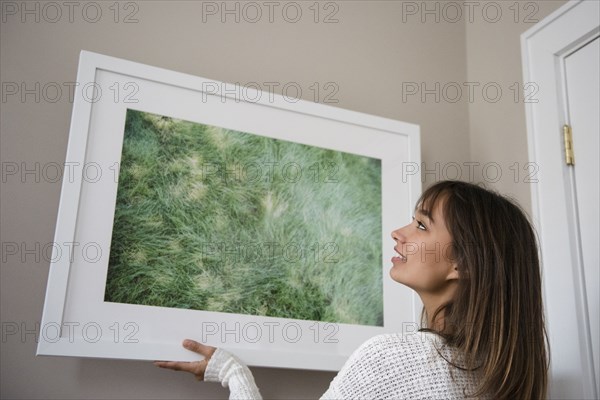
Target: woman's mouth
x=400, y=258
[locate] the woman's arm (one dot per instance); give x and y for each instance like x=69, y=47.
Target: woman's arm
x=218, y=366
x=358, y=378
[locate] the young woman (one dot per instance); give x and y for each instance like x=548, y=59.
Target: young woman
x=472, y=257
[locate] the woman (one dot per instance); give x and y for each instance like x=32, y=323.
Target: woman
x=472, y=257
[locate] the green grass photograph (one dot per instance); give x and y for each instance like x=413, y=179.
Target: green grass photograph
x=213, y=219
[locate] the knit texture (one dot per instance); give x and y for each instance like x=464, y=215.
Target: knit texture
x=387, y=366
x=224, y=367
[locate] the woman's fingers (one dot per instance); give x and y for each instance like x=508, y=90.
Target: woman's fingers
x=176, y=365
x=206, y=351
x=192, y=345
x=197, y=367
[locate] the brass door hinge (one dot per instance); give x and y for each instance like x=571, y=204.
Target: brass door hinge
x=568, y=137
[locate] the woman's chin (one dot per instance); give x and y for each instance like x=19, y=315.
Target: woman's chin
x=395, y=273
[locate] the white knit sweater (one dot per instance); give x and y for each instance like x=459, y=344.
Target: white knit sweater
x=387, y=366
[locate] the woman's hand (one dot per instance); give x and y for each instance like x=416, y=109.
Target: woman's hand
x=197, y=367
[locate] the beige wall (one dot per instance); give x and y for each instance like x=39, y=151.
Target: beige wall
x=498, y=135
x=374, y=52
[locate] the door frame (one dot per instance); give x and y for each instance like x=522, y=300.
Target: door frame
x=543, y=49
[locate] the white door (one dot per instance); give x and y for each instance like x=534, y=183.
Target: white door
x=583, y=102
x=560, y=56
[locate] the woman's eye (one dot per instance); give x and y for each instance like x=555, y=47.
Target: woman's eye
x=420, y=224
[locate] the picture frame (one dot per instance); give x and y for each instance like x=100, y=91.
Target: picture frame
x=77, y=321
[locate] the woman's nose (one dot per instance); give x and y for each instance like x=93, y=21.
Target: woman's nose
x=397, y=235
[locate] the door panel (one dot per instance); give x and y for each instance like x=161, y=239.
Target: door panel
x=583, y=97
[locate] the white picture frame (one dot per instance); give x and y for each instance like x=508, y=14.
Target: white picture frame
x=78, y=322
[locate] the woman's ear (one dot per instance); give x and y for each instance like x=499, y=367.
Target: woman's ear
x=453, y=273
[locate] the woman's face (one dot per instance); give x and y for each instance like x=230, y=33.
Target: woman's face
x=423, y=259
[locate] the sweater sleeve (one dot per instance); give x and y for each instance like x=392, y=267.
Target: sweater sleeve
x=227, y=369
x=356, y=379
x=387, y=366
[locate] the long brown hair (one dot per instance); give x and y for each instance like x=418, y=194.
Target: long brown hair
x=496, y=318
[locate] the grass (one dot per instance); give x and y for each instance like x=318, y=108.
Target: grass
x=303, y=245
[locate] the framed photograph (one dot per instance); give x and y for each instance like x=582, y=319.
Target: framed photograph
x=240, y=218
